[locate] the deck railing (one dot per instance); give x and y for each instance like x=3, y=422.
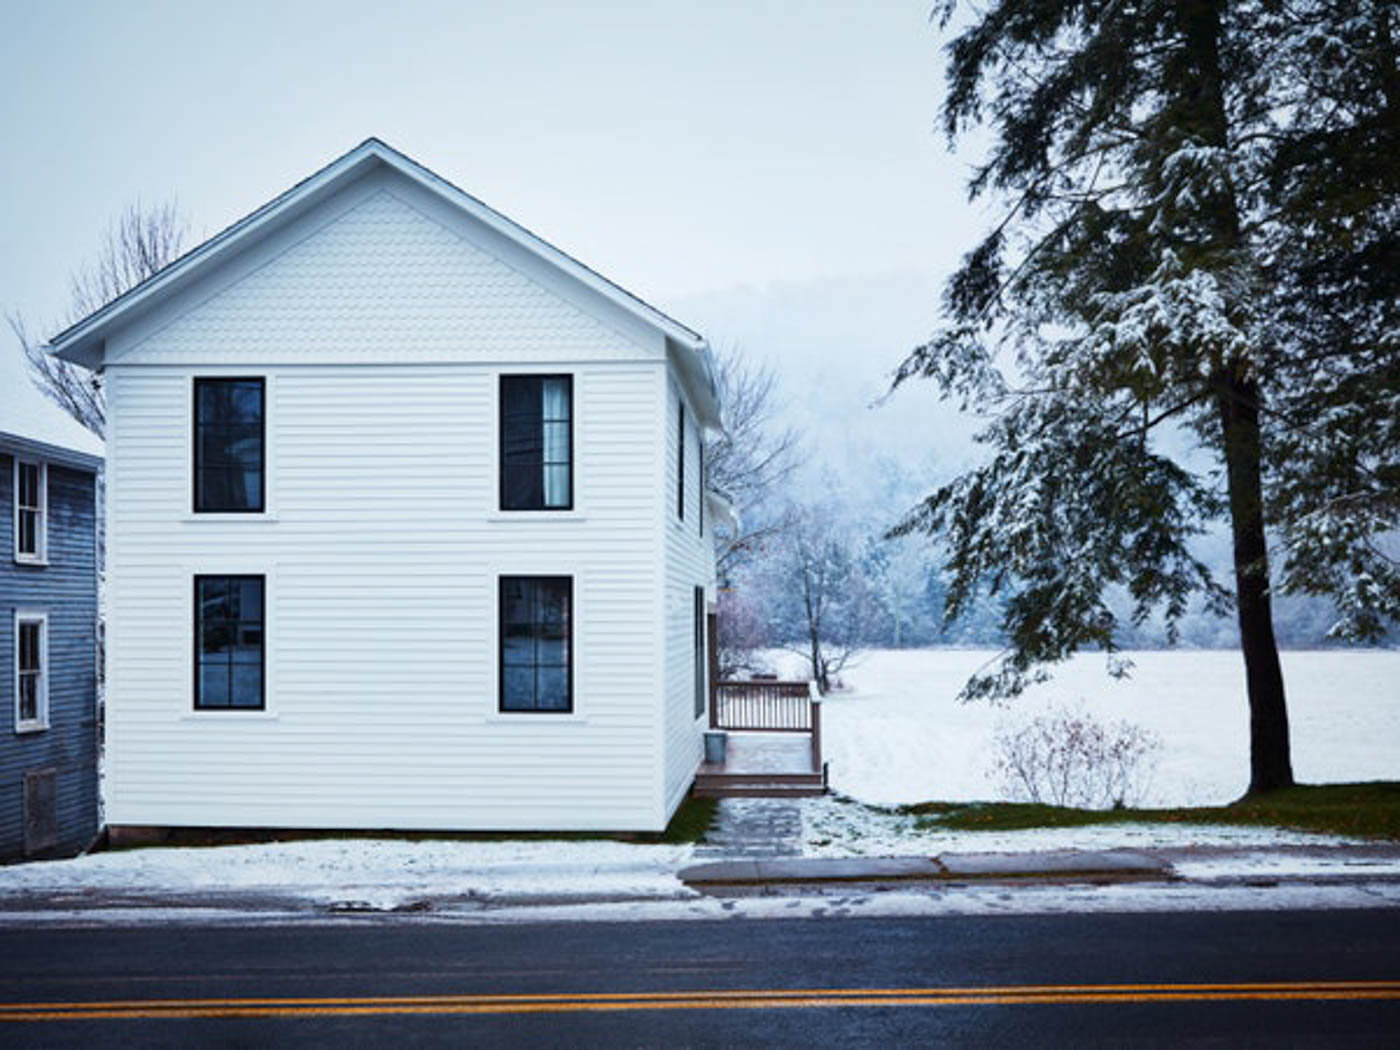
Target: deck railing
x=759, y=704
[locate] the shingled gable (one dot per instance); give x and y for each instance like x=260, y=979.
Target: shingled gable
x=84, y=342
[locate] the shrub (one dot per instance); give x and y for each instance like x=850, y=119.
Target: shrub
x=1067, y=757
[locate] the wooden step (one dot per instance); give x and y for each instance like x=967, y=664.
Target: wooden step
x=757, y=778
x=755, y=786
x=759, y=791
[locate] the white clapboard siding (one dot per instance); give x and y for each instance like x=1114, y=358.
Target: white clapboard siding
x=689, y=564
x=382, y=331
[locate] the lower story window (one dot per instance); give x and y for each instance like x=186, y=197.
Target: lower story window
x=31, y=671
x=536, y=633
x=229, y=643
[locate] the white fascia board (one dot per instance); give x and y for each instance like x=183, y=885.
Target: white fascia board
x=696, y=371
x=722, y=510
x=84, y=342
x=18, y=444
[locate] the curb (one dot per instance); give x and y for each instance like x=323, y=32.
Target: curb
x=1060, y=866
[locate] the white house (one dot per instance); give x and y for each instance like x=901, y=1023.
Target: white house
x=407, y=525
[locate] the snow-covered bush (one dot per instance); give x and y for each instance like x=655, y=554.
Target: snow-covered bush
x=1067, y=757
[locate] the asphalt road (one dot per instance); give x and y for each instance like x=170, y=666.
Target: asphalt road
x=1234, y=979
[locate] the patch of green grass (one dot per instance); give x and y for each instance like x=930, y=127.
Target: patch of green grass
x=689, y=824
x=691, y=821
x=1367, y=809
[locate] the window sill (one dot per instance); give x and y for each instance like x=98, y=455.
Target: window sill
x=534, y=718
x=263, y=517
x=536, y=515
x=212, y=714
x=23, y=728
x=27, y=559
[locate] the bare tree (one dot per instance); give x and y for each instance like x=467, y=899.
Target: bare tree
x=751, y=460
x=822, y=580
x=742, y=634
x=142, y=241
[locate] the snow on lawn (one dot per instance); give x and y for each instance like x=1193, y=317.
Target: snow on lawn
x=836, y=827
x=380, y=873
x=898, y=733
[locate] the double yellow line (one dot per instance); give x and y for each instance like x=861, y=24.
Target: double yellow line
x=750, y=999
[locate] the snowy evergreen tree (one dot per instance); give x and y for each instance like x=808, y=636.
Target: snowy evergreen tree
x=1150, y=283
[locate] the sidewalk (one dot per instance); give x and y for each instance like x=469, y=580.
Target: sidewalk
x=1312, y=865
x=359, y=880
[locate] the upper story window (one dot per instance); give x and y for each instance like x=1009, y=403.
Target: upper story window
x=31, y=510
x=537, y=442
x=229, y=460
x=680, y=462
x=536, y=630
x=229, y=642
x=31, y=672
x=699, y=651
x=700, y=496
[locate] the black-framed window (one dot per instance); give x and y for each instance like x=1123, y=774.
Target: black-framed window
x=699, y=651
x=230, y=643
x=229, y=445
x=536, y=643
x=537, y=442
x=680, y=462
x=700, y=496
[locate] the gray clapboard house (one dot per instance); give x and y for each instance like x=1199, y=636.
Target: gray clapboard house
x=48, y=625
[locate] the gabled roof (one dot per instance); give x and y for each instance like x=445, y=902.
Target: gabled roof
x=83, y=342
x=31, y=423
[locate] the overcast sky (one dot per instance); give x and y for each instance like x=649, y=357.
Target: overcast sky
x=768, y=172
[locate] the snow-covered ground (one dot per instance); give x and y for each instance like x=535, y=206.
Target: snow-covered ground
x=898, y=733
x=379, y=874
x=836, y=827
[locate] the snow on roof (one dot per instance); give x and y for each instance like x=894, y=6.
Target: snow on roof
x=28, y=415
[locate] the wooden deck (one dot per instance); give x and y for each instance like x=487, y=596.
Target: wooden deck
x=760, y=764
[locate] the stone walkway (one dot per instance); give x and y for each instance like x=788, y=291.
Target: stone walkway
x=754, y=828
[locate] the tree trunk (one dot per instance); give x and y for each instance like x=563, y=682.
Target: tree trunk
x=1270, y=764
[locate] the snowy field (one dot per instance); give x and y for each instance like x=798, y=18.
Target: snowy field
x=897, y=733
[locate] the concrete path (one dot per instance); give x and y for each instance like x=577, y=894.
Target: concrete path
x=753, y=828
x=1060, y=866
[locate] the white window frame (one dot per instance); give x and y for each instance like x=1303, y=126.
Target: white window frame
x=40, y=556
x=41, y=720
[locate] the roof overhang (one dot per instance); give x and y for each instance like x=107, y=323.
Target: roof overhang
x=84, y=342
x=722, y=510
x=70, y=457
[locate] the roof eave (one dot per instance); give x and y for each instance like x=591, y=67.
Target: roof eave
x=84, y=342
x=61, y=454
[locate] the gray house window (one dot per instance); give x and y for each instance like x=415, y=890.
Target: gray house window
x=31, y=671
x=537, y=439
x=536, y=643
x=229, y=642
x=229, y=440
x=31, y=510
